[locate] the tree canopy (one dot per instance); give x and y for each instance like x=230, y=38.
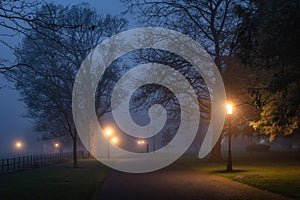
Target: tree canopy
x=48, y=60
x=268, y=39
x=253, y=43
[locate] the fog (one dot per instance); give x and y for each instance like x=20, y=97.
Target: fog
x=14, y=127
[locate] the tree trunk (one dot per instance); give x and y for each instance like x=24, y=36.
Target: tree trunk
x=215, y=154
x=75, y=163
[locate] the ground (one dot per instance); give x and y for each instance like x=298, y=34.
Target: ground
x=176, y=183
x=266, y=175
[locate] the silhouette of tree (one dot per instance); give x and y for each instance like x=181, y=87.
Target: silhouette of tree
x=210, y=22
x=48, y=60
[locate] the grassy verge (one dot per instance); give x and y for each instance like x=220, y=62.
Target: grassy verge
x=54, y=182
x=274, y=172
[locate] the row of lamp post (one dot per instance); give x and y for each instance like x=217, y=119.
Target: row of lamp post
x=108, y=132
x=229, y=112
x=142, y=142
x=19, y=145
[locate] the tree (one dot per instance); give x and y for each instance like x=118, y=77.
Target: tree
x=52, y=58
x=210, y=22
x=17, y=18
x=166, y=138
x=13, y=18
x=268, y=40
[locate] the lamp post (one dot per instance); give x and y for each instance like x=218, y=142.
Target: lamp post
x=141, y=142
x=18, y=145
x=229, y=159
x=58, y=147
x=108, y=133
x=115, y=140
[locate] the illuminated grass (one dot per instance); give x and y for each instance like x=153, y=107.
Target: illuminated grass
x=279, y=174
x=54, y=182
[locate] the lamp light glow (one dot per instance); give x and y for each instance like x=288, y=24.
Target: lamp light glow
x=229, y=109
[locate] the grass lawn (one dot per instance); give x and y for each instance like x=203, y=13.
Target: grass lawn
x=54, y=182
x=276, y=172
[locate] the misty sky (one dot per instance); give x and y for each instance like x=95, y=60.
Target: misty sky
x=12, y=126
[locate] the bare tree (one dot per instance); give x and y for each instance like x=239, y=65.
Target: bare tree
x=17, y=18
x=211, y=22
x=48, y=60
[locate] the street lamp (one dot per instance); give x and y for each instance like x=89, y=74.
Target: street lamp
x=141, y=142
x=108, y=133
x=229, y=109
x=18, y=145
x=229, y=159
x=115, y=140
x=58, y=148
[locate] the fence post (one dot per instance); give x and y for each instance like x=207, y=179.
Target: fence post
x=2, y=166
x=31, y=161
x=14, y=164
x=7, y=165
x=19, y=163
x=23, y=163
x=27, y=163
x=10, y=165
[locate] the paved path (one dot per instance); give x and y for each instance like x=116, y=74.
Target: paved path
x=176, y=184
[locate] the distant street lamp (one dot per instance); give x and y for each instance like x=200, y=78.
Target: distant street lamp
x=115, y=140
x=229, y=158
x=108, y=133
x=57, y=146
x=141, y=142
x=18, y=145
